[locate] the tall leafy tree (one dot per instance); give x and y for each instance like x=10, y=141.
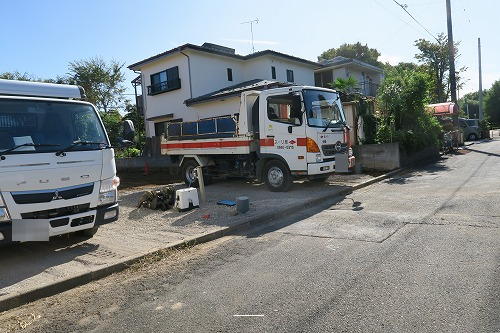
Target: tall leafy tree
x=434, y=56
x=355, y=51
x=16, y=75
x=112, y=121
x=103, y=82
x=492, y=103
x=402, y=97
x=469, y=104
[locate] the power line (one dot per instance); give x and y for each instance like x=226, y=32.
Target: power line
x=414, y=19
x=395, y=31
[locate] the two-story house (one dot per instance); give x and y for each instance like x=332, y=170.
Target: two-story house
x=367, y=75
x=193, y=82
x=368, y=79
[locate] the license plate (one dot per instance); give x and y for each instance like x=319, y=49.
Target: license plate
x=341, y=163
x=30, y=230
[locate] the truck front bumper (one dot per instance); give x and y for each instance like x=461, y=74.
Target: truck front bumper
x=328, y=167
x=5, y=233
x=106, y=214
x=103, y=215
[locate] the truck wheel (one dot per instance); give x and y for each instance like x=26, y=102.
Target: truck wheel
x=472, y=137
x=277, y=176
x=189, y=173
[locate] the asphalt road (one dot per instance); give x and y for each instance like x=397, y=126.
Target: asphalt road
x=418, y=252
x=40, y=269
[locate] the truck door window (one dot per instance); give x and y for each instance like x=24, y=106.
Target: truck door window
x=284, y=109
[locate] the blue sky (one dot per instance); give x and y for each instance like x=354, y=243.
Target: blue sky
x=40, y=38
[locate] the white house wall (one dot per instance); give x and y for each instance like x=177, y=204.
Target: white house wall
x=227, y=107
x=209, y=72
x=340, y=72
x=171, y=102
x=260, y=68
x=202, y=73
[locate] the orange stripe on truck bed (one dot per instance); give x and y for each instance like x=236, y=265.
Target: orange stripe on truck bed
x=205, y=144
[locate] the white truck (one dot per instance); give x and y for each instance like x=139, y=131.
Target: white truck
x=57, y=167
x=278, y=135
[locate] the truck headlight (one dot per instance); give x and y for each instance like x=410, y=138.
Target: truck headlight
x=108, y=191
x=319, y=159
x=4, y=213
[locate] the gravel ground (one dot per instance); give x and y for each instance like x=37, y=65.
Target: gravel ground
x=210, y=214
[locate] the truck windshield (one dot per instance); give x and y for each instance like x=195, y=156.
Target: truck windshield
x=323, y=109
x=31, y=126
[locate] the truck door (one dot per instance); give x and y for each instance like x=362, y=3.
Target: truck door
x=283, y=130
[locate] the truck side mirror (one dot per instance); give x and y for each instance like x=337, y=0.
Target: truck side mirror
x=128, y=130
x=128, y=134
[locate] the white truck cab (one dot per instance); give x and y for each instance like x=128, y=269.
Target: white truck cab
x=57, y=167
x=277, y=135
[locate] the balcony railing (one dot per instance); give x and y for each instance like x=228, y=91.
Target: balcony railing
x=368, y=88
x=164, y=86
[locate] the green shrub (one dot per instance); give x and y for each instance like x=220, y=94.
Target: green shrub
x=128, y=152
x=403, y=97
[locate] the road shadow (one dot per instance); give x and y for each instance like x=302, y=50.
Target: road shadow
x=22, y=261
x=433, y=168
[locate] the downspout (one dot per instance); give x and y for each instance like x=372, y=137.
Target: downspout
x=189, y=72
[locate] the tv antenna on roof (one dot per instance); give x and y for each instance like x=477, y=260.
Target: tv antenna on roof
x=251, y=30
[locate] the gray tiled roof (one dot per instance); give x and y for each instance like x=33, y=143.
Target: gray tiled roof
x=235, y=90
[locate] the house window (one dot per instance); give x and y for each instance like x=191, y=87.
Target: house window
x=289, y=75
x=164, y=81
x=273, y=72
x=230, y=74
x=160, y=128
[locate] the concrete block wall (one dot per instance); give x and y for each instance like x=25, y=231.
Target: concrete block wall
x=384, y=157
x=387, y=157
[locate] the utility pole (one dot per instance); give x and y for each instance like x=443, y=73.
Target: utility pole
x=480, y=81
x=451, y=53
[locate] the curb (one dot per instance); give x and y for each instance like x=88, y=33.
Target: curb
x=16, y=300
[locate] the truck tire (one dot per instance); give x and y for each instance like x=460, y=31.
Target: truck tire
x=189, y=173
x=277, y=176
x=472, y=137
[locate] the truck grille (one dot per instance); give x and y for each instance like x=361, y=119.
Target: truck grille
x=65, y=193
x=57, y=212
x=330, y=150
